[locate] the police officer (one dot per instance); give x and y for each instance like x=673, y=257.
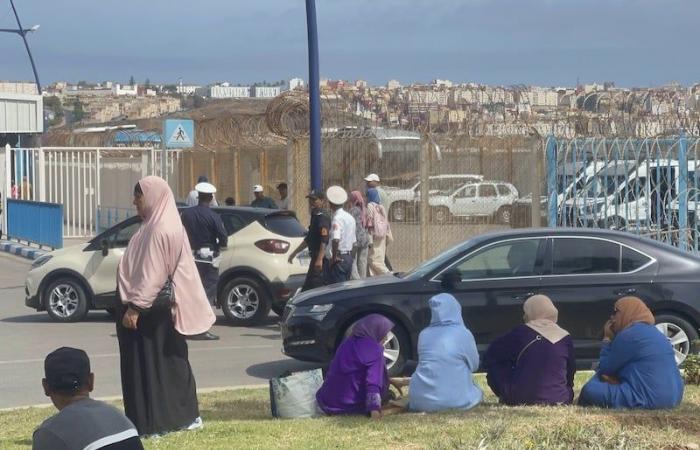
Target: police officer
x=342, y=237
x=207, y=236
x=316, y=241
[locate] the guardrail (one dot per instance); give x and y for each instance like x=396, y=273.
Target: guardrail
x=35, y=222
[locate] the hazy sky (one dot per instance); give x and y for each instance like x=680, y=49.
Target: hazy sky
x=540, y=42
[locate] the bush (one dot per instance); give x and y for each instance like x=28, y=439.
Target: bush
x=691, y=365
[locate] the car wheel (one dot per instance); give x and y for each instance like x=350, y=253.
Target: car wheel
x=244, y=301
x=503, y=215
x=441, y=215
x=398, y=212
x=679, y=332
x=65, y=300
x=395, y=349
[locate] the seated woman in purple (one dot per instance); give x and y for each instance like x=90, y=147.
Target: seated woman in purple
x=534, y=364
x=357, y=381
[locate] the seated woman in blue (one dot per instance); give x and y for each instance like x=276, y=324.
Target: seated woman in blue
x=637, y=363
x=447, y=357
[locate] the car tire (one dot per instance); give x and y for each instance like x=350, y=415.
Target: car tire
x=504, y=215
x=440, y=215
x=65, y=300
x=681, y=334
x=245, y=301
x=395, y=350
x=398, y=212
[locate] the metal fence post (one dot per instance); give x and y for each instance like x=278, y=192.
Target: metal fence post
x=551, y=155
x=7, y=185
x=683, y=191
x=42, y=176
x=424, y=194
x=535, y=209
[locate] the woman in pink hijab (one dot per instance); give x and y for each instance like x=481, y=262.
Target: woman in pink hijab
x=157, y=383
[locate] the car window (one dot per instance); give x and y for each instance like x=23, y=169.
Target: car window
x=516, y=258
x=467, y=192
x=122, y=237
x=487, y=190
x=233, y=223
x=632, y=259
x=503, y=190
x=285, y=225
x=584, y=256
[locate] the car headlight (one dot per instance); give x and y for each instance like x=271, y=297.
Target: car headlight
x=315, y=311
x=40, y=261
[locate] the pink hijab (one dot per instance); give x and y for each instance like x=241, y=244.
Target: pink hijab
x=151, y=256
x=359, y=201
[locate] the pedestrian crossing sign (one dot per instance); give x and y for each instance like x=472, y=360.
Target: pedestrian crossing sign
x=178, y=133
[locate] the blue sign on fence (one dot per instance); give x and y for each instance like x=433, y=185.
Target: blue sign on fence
x=178, y=133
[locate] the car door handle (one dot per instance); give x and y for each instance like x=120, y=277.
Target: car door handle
x=523, y=296
x=626, y=291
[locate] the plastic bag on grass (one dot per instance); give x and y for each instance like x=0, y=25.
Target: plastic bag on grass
x=294, y=395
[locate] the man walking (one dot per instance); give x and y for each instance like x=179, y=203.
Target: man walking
x=316, y=240
x=193, y=196
x=260, y=200
x=283, y=202
x=342, y=237
x=372, y=180
x=81, y=421
x=207, y=235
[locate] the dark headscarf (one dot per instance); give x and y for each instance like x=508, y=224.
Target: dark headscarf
x=374, y=326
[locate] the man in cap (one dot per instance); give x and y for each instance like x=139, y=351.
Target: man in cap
x=373, y=181
x=207, y=236
x=316, y=240
x=193, y=196
x=81, y=421
x=260, y=200
x=342, y=237
x=283, y=202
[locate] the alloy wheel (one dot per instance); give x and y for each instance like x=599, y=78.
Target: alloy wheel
x=64, y=300
x=392, y=350
x=678, y=338
x=243, y=301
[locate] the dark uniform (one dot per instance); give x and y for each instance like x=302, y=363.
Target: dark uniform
x=319, y=232
x=205, y=230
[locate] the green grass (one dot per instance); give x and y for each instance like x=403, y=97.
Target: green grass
x=241, y=419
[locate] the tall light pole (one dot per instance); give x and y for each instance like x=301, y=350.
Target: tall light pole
x=23, y=33
x=314, y=99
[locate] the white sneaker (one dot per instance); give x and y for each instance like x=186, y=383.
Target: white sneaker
x=197, y=424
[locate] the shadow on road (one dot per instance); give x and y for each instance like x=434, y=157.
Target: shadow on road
x=42, y=317
x=273, y=369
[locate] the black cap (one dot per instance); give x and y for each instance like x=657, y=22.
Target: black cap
x=316, y=195
x=67, y=369
x=282, y=186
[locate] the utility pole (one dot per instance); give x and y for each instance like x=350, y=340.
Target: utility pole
x=315, y=162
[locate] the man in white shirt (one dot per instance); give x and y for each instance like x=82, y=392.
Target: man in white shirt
x=283, y=202
x=342, y=237
x=193, y=196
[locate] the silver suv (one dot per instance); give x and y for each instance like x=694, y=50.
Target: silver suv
x=485, y=199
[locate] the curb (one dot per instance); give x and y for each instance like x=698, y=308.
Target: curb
x=23, y=251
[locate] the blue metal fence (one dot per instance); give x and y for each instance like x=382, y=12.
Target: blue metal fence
x=646, y=186
x=37, y=222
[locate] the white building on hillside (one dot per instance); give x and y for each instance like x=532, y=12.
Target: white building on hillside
x=295, y=83
x=225, y=91
x=119, y=91
x=267, y=91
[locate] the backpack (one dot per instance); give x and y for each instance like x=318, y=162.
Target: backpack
x=380, y=226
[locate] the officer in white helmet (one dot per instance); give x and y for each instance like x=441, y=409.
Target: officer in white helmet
x=207, y=236
x=342, y=237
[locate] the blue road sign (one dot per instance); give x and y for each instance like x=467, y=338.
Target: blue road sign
x=178, y=133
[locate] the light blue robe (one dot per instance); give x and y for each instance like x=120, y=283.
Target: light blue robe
x=447, y=356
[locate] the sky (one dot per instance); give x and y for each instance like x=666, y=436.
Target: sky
x=501, y=42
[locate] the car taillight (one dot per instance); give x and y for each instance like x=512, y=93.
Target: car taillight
x=273, y=246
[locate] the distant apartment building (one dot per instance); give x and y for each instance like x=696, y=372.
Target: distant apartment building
x=267, y=91
x=427, y=97
x=443, y=83
x=393, y=84
x=296, y=83
x=541, y=97
x=120, y=90
x=186, y=89
x=10, y=87
x=225, y=91
x=361, y=84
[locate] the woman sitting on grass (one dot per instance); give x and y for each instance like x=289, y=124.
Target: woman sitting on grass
x=637, y=363
x=357, y=381
x=447, y=357
x=534, y=364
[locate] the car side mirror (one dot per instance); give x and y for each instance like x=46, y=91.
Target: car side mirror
x=104, y=245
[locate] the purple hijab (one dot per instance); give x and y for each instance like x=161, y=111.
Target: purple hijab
x=374, y=326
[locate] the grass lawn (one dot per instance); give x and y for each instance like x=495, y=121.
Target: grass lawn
x=241, y=419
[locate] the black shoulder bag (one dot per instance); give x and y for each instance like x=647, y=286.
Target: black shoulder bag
x=166, y=296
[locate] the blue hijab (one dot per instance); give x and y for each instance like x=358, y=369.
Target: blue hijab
x=373, y=196
x=447, y=356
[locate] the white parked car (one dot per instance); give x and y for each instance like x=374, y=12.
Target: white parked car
x=403, y=203
x=255, y=273
x=485, y=199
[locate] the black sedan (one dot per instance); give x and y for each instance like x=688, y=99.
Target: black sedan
x=584, y=271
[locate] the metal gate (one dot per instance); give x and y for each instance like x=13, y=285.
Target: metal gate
x=88, y=181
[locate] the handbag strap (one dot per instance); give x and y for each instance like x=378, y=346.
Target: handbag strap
x=179, y=257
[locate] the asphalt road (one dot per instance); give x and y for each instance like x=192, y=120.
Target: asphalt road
x=243, y=356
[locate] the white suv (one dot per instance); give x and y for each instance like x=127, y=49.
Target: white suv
x=485, y=199
x=255, y=275
x=403, y=203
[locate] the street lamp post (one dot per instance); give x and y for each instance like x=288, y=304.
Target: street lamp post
x=23, y=33
x=314, y=99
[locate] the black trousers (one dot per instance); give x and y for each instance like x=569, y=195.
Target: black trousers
x=210, y=280
x=315, y=279
x=339, y=271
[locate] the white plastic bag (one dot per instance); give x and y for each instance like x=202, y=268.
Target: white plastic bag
x=294, y=395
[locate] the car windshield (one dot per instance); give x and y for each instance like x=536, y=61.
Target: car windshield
x=435, y=262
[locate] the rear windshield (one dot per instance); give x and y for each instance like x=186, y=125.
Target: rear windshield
x=285, y=225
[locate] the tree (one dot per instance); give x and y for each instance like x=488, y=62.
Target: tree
x=78, y=111
x=132, y=81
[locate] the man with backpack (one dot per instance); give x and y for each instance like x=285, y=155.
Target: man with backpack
x=380, y=232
